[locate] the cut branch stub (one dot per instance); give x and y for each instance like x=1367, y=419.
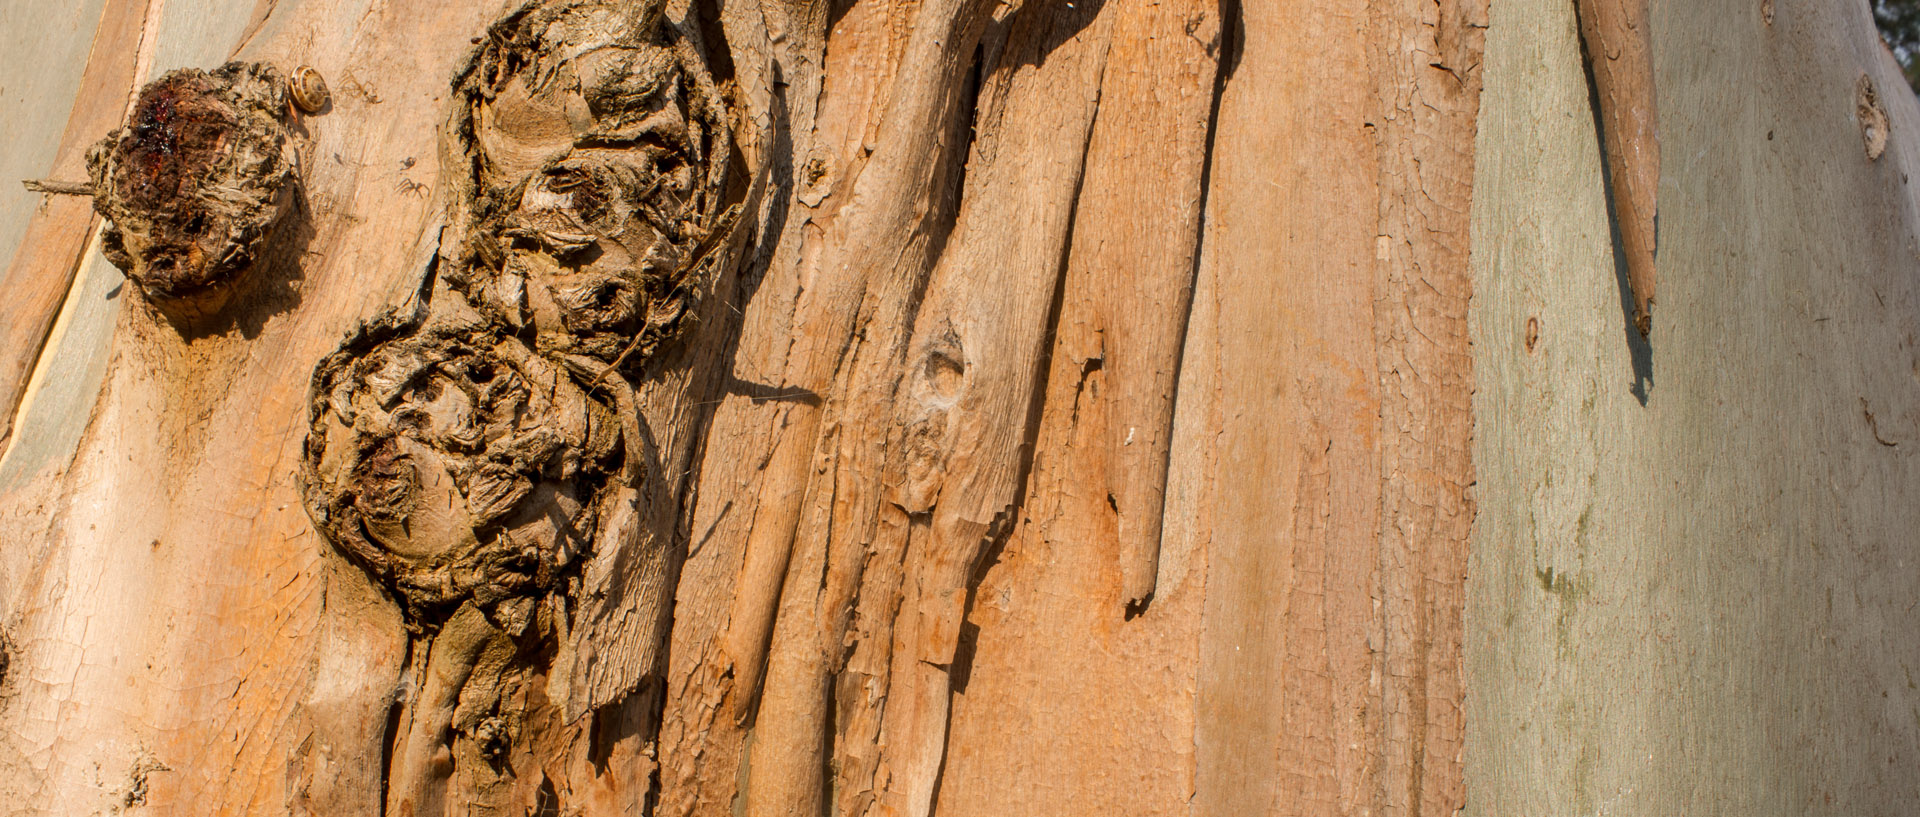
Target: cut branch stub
x=195, y=183
x=454, y=464
x=597, y=147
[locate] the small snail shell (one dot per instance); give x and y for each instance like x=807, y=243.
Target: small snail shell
x=309, y=89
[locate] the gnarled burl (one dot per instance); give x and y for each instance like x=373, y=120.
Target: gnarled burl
x=456, y=465
x=485, y=457
x=597, y=150
x=195, y=183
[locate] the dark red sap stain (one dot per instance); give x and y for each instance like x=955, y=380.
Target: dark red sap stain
x=180, y=127
x=181, y=130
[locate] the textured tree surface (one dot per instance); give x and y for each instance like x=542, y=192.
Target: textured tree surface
x=867, y=408
x=1696, y=592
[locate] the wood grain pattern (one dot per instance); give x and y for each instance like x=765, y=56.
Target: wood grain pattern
x=1328, y=676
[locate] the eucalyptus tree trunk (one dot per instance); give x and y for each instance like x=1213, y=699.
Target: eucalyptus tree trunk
x=846, y=408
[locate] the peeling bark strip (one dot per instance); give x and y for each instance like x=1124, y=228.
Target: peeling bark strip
x=196, y=183
x=1619, y=48
x=1130, y=272
x=48, y=257
x=488, y=458
x=1874, y=123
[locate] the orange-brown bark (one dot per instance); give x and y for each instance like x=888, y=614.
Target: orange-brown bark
x=1088, y=433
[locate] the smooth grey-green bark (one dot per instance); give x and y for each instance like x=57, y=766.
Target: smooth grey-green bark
x=1706, y=603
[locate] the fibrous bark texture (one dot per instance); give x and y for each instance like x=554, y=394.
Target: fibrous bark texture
x=851, y=407
x=195, y=183
x=805, y=408
x=487, y=457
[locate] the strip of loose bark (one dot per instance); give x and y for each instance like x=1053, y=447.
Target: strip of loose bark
x=975, y=366
x=1048, y=613
x=878, y=240
x=1619, y=48
x=884, y=209
x=1133, y=257
x=55, y=244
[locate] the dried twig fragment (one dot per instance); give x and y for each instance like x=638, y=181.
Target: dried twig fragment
x=195, y=183
x=57, y=188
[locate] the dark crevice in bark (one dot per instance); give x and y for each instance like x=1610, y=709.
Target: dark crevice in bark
x=656, y=712
x=949, y=184
x=707, y=26
x=946, y=733
x=779, y=191
x=829, y=743
x=396, y=711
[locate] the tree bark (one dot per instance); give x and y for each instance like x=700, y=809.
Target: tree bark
x=1116, y=407
x=1695, y=592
